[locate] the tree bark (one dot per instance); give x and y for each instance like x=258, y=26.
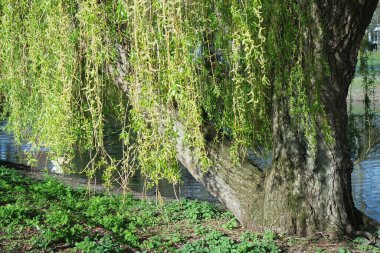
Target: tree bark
x=301, y=193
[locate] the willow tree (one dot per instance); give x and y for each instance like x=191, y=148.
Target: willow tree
x=200, y=82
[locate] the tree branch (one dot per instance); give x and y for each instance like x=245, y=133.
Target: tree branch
x=239, y=187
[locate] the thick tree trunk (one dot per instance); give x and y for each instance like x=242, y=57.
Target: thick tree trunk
x=306, y=193
x=300, y=193
x=239, y=188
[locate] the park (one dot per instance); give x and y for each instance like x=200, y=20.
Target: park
x=271, y=107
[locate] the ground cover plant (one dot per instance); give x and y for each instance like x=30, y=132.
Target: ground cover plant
x=47, y=216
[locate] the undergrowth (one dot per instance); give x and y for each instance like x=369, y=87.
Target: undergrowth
x=47, y=216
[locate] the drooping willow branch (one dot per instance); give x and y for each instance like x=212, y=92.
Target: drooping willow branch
x=215, y=63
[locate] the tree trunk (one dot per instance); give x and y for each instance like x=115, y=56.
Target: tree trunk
x=305, y=193
x=301, y=193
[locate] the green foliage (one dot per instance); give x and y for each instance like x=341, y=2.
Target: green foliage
x=44, y=214
x=215, y=241
x=192, y=210
x=41, y=216
x=225, y=62
x=231, y=224
x=53, y=57
x=103, y=245
x=343, y=250
x=365, y=245
x=362, y=132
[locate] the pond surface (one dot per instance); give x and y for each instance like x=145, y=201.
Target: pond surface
x=365, y=178
x=190, y=188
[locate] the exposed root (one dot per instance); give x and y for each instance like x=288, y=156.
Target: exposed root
x=370, y=223
x=369, y=227
x=367, y=222
x=365, y=227
x=372, y=237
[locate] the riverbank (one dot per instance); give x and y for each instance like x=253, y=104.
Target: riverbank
x=73, y=181
x=356, y=91
x=48, y=216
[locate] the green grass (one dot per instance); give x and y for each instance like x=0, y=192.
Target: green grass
x=47, y=216
x=374, y=58
x=356, y=83
x=356, y=92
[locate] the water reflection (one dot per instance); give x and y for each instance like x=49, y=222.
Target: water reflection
x=366, y=186
x=365, y=179
x=189, y=188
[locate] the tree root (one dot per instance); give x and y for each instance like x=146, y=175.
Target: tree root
x=372, y=237
x=369, y=228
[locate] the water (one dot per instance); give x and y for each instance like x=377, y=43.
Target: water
x=366, y=186
x=190, y=188
x=365, y=178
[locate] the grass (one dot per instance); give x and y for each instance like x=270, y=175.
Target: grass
x=356, y=84
x=374, y=58
x=356, y=92
x=47, y=216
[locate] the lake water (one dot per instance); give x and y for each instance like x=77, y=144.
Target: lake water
x=365, y=178
x=190, y=188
